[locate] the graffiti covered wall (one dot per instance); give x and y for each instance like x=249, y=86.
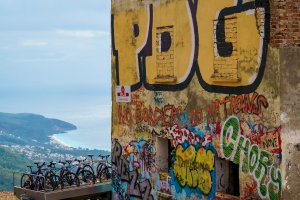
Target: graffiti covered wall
x=198, y=73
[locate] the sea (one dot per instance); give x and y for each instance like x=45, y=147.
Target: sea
x=93, y=131
x=89, y=111
x=93, y=128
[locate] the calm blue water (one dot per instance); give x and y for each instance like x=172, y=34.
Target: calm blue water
x=90, y=112
x=93, y=129
x=92, y=132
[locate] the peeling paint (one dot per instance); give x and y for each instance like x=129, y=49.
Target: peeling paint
x=189, y=76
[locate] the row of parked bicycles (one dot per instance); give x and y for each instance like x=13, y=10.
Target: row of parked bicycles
x=69, y=173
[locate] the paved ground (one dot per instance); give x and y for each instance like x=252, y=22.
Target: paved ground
x=7, y=196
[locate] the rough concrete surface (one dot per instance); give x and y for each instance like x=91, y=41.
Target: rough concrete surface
x=290, y=107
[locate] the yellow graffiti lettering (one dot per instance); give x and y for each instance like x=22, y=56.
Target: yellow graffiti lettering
x=184, y=160
x=130, y=34
x=193, y=168
x=169, y=66
x=241, y=29
x=205, y=182
x=194, y=178
x=206, y=160
x=228, y=38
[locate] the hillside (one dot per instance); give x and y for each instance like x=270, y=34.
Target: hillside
x=24, y=138
x=11, y=162
x=16, y=158
x=27, y=128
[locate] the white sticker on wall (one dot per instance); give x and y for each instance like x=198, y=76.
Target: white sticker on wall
x=123, y=93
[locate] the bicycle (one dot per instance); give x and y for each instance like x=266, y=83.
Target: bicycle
x=85, y=172
x=27, y=179
x=90, y=165
x=34, y=180
x=104, y=172
x=67, y=176
x=39, y=179
x=100, y=165
x=52, y=180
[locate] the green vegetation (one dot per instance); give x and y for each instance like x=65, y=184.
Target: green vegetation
x=24, y=139
x=27, y=128
x=11, y=162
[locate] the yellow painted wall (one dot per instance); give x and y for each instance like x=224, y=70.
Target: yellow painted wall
x=247, y=37
x=190, y=95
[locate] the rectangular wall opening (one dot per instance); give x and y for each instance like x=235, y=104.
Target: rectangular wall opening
x=163, y=163
x=227, y=177
x=163, y=154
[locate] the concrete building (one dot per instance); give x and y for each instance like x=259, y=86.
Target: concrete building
x=205, y=99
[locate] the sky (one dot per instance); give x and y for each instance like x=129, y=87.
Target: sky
x=55, y=61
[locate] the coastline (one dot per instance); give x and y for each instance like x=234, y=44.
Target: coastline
x=59, y=142
x=80, y=139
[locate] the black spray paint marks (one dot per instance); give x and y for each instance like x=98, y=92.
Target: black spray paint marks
x=224, y=49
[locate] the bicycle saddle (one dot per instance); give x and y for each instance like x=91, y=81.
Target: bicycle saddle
x=69, y=161
x=102, y=157
x=62, y=162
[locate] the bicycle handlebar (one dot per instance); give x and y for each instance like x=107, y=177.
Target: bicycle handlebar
x=91, y=156
x=102, y=157
x=38, y=164
x=62, y=162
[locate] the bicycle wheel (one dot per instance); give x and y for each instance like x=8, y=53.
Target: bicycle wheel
x=104, y=175
x=39, y=183
x=27, y=182
x=56, y=182
x=86, y=176
x=100, y=167
x=70, y=178
x=53, y=181
x=48, y=184
x=89, y=168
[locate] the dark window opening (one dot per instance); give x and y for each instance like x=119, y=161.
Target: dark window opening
x=164, y=152
x=171, y=153
x=227, y=177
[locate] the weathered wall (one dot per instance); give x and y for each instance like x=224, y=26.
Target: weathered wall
x=204, y=76
x=285, y=23
x=290, y=109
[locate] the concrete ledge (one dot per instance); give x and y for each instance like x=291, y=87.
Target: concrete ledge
x=72, y=192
